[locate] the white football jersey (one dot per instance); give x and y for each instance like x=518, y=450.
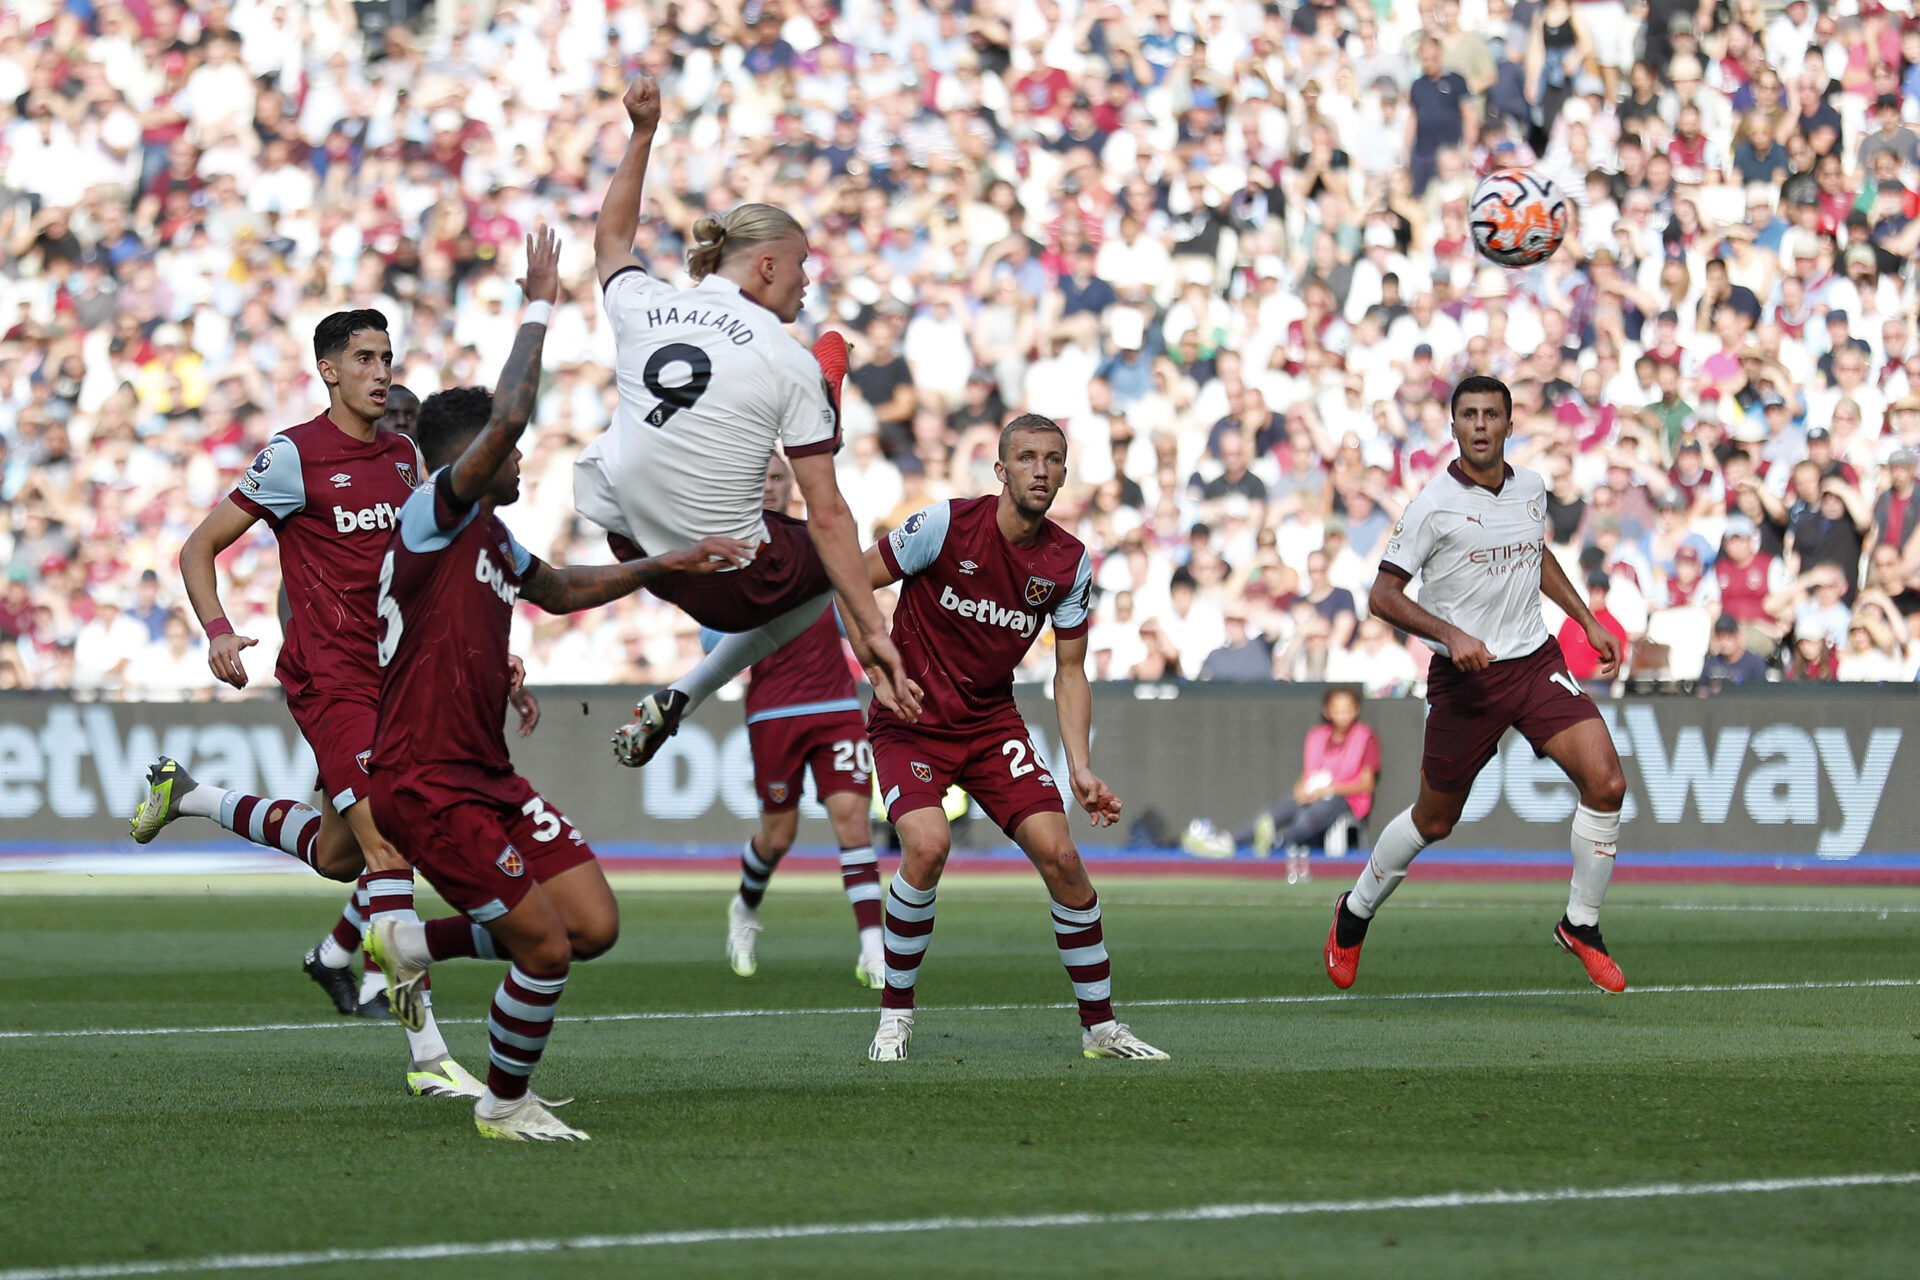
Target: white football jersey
x=1476, y=552
x=709, y=384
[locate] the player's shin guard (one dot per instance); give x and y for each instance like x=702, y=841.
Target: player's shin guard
x=1596, y=838
x=860, y=876
x=286, y=825
x=1083, y=950
x=755, y=871
x=390, y=893
x=909, y=928
x=740, y=650
x=518, y=1026
x=1393, y=853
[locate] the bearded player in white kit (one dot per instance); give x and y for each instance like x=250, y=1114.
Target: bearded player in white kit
x=710, y=384
x=1475, y=537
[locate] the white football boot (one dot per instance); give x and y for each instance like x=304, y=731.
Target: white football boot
x=890, y=1042
x=528, y=1121
x=1116, y=1040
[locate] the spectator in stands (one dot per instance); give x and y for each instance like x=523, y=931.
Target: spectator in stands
x=1583, y=661
x=1243, y=656
x=1340, y=766
x=1730, y=662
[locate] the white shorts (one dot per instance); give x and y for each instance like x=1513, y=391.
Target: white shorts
x=1607, y=25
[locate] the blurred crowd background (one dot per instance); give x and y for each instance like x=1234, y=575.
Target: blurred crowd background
x=1223, y=243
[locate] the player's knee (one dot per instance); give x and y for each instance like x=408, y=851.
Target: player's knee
x=552, y=953
x=772, y=850
x=1607, y=791
x=1433, y=826
x=338, y=860
x=594, y=938
x=927, y=857
x=1059, y=861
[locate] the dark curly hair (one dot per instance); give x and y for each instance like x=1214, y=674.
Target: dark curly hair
x=448, y=420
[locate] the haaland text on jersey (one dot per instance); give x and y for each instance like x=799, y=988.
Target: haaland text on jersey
x=737, y=332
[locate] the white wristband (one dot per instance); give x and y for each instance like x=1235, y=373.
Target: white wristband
x=537, y=313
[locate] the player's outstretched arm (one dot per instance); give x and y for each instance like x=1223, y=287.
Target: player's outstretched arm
x=1557, y=588
x=830, y=525
x=1073, y=705
x=223, y=527
x=620, y=211
x=1389, y=601
x=471, y=475
x=579, y=586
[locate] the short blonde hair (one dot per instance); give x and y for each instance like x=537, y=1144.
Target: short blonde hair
x=717, y=238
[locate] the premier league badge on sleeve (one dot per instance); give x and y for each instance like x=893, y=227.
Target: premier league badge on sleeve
x=1039, y=591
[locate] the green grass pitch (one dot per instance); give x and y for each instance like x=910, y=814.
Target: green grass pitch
x=123, y=1152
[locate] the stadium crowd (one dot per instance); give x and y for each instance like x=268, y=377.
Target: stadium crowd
x=1223, y=243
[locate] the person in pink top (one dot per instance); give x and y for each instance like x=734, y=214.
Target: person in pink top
x=1338, y=770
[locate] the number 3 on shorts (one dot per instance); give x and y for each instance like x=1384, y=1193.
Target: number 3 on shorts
x=545, y=825
x=1565, y=680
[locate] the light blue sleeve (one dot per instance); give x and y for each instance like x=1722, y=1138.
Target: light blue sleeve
x=522, y=558
x=420, y=529
x=709, y=638
x=1070, y=615
x=917, y=542
x=274, y=482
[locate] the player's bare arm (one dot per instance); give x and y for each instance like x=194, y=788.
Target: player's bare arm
x=830, y=525
x=521, y=697
x=575, y=587
x=620, y=211
x=1389, y=601
x=1555, y=585
x=224, y=526
x=473, y=473
x=1073, y=705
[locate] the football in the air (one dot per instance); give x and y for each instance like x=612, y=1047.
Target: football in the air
x=1518, y=217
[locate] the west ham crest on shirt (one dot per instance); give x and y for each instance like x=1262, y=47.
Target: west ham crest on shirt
x=777, y=792
x=364, y=759
x=406, y=474
x=509, y=862
x=922, y=772
x=1039, y=591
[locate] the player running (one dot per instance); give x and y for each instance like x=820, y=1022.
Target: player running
x=1475, y=538
x=486, y=840
x=981, y=575
x=803, y=713
x=710, y=383
x=330, y=490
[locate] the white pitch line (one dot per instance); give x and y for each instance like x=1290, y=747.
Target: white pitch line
x=916, y=1226
x=1848, y=909
x=701, y=1015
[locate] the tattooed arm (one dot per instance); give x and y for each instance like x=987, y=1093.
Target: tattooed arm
x=570, y=588
x=471, y=475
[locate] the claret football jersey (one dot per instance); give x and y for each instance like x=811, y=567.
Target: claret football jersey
x=972, y=604
x=1476, y=554
x=448, y=582
x=332, y=501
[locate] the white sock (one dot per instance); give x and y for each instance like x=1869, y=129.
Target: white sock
x=204, y=802
x=1596, y=838
x=333, y=955
x=1393, y=853
x=740, y=650
x=372, y=984
x=410, y=941
x=493, y=1108
x=870, y=943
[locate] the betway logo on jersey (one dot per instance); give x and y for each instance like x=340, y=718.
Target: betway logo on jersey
x=484, y=570
x=1014, y=620
x=381, y=515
